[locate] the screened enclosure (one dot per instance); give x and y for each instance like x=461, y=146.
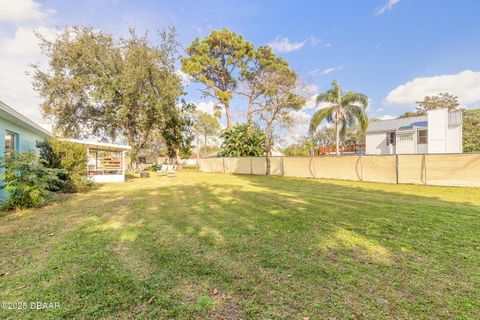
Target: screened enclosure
x=105, y=161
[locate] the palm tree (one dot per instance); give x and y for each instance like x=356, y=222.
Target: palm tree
x=345, y=110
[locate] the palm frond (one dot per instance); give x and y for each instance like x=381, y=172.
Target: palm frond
x=350, y=120
x=326, y=97
x=359, y=115
x=336, y=89
x=354, y=98
x=319, y=116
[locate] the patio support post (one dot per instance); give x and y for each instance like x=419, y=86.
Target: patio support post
x=123, y=162
x=88, y=156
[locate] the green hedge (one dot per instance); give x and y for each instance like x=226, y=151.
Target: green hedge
x=71, y=158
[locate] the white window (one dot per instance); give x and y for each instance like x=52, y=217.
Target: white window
x=455, y=118
x=391, y=138
x=10, y=143
x=422, y=136
x=405, y=137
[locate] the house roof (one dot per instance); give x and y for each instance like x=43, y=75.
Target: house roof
x=394, y=124
x=19, y=119
x=100, y=145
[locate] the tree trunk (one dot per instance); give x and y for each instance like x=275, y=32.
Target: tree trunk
x=227, y=113
x=205, y=145
x=249, y=111
x=267, y=162
x=267, y=151
x=177, y=155
x=133, y=154
x=337, y=137
x=198, y=149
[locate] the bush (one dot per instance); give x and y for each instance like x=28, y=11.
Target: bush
x=28, y=182
x=153, y=167
x=471, y=130
x=71, y=158
x=242, y=140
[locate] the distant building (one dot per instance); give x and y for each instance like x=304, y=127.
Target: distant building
x=440, y=131
x=105, y=161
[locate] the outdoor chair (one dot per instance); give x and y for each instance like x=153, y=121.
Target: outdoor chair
x=172, y=169
x=167, y=169
x=163, y=170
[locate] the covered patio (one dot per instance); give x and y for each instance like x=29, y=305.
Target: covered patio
x=106, y=161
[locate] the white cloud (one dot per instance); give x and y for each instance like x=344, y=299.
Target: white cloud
x=18, y=51
x=319, y=71
x=22, y=10
x=465, y=85
x=16, y=56
x=299, y=127
x=384, y=8
x=206, y=106
x=386, y=117
x=309, y=89
x=185, y=78
x=25, y=43
x=311, y=103
x=284, y=45
x=332, y=69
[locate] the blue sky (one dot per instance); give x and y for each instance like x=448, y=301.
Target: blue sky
x=395, y=51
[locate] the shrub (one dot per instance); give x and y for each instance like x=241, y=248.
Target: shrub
x=71, y=158
x=153, y=167
x=242, y=140
x=28, y=182
x=471, y=130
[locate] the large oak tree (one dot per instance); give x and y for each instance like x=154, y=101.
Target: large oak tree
x=96, y=85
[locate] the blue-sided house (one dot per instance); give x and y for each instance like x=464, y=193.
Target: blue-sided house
x=18, y=133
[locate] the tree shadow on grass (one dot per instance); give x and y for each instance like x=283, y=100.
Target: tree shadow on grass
x=271, y=247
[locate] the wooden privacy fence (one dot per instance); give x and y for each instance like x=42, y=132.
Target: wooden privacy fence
x=461, y=170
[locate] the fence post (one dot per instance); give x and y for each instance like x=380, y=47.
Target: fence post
x=251, y=166
x=396, y=167
x=223, y=164
x=361, y=167
x=313, y=164
x=283, y=167
x=314, y=169
x=424, y=169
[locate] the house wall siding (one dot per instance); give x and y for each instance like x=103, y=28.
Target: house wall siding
x=26, y=140
x=437, y=131
x=406, y=146
x=454, y=140
x=376, y=143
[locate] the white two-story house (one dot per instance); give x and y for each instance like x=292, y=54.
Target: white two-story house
x=440, y=131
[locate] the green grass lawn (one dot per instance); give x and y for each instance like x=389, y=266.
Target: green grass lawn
x=216, y=246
